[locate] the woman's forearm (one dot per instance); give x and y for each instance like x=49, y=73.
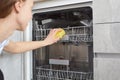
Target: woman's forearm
x=19, y=47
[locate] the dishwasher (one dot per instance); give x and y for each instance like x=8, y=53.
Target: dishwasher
x=71, y=58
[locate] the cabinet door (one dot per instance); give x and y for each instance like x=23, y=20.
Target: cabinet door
x=106, y=11
x=105, y=66
x=106, y=38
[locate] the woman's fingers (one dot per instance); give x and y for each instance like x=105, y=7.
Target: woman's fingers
x=51, y=38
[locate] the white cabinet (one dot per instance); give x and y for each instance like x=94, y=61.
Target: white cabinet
x=106, y=38
x=106, y=11
x=107, y=68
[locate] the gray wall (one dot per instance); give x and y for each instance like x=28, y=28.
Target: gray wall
x=12, y=64
x=106, y=30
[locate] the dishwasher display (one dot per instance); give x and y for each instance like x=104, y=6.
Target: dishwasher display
x=72, y=57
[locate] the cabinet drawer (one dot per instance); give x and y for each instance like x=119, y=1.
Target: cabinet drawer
x=106, y=38
x=106, y=11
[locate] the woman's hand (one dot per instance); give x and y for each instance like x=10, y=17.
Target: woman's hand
x=50, y=39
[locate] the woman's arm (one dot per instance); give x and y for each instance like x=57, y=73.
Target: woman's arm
x=19, y=47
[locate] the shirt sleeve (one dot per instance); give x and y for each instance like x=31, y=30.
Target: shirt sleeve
x=3, y=44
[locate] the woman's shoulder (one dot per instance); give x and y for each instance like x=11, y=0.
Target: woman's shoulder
x=3, y=44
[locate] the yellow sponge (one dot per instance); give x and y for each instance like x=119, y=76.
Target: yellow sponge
x=60, y=33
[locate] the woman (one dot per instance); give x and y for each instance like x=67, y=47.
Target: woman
x=15, y=15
